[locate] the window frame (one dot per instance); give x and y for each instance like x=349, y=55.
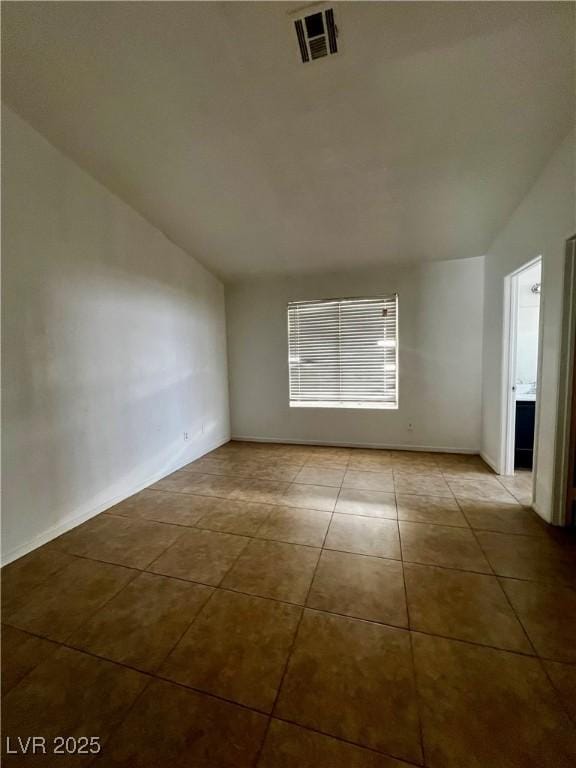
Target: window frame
x=362, y=405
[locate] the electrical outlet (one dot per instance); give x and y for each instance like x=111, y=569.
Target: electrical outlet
x=185, y=436
x=410, y=426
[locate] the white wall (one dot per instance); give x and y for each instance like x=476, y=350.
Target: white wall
x=540, y=226
x=440, y=356
x=114, y=345
x=528, y=327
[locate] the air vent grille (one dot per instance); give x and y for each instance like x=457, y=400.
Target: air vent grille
x=302, y=40
x=331, y=27
x=317, y=35
x=318, y=47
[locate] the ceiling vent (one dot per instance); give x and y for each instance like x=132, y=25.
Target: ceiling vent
x=316, y=33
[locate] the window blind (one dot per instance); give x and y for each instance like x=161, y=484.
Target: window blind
x=343, y=353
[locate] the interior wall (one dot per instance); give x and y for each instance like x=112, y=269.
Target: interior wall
x=540, y=226
x=528, y=329
x=113, y=346
x=440, y=358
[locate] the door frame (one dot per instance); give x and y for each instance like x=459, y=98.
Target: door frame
x=509, y=347
x=561, y=514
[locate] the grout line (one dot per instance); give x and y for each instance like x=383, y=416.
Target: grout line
x=412, y=655
x=294, y=639
x=374, y=751
x=178, y=641
x=114, y=730
x=571, y=716
x=249, y=540
x=155, y=673
x=550, y=582
x=303, y=607
x=110, y=512
x=194, y=492
x=93, y=613
x=536, y=655
x=480, y=547
x=296, y=633
x=201, y=692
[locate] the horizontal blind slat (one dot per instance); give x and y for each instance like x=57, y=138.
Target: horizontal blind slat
x=343, y=351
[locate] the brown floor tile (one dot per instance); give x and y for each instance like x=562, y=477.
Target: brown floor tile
x=163, y=507
x=369, y=481
x=442, y=545
x=548, y=614
x=242, y=517
x=25, y=574
x=329, y=451
x=283, y=472
x=364, y=587
x=421, y=485
x=371, y=453
x=414, y=457
x=236, y=648
x=220, y=486
x=424, y=459
x=120, y=540
x=350, y=675
x=198, y=555
x=274, y=569
x=370, y=464
x=263, y=491
x=354, y=680
x=405, y=470
x=171, y=727
x=255, y=466
x=368, y=503
x=21, y=653
x=69, y=694
x=141, y=625
x=181, y=481
x=502, y=517
x=67, y=599
x=563, y=678
x=296, y=526
x=465, y=475
x=364, y=536
x=520, y=486
x=464, y=470
x=310, y=497
x=311, y=475
x=228, y=466
x=488, y=488
x=482, y=707
x=466, y=606
x=430, y=509
x=526, y=498
x=464, y=460
x=297, y=457
x=209, y=465
x=327, y=462
x=537, y=558
x=289, y=746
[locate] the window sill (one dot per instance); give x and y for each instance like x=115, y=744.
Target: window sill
x=346, y=406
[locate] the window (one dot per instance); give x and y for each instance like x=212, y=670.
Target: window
x=343, y=353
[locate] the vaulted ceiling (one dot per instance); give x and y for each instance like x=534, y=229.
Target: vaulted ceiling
x=415, y=142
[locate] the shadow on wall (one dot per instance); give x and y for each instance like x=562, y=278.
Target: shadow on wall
x=110, y=370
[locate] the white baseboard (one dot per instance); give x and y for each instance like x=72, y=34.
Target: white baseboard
x=340, y=444
x=86, y=514
x=490, y=461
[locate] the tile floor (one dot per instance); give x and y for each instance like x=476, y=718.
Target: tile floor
x=301, y=607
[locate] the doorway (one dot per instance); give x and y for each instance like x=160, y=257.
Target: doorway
x=521, y=375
